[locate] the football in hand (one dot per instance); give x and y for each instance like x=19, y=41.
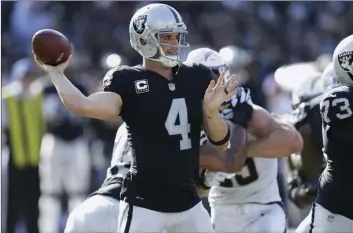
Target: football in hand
x=50, y=47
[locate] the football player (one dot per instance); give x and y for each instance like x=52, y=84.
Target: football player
x=99, y=213
x=332, y=210
x=249, y=201
x=167, y=98
x=307, y=166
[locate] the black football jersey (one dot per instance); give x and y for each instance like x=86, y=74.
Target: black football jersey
x=336, y=189
x=163, y=120
x=307, y=114
x=306, y=118
x=306, y=104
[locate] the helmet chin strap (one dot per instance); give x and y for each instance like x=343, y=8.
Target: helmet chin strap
x=165, y=60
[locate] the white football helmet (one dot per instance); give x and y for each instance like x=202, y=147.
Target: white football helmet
x=210, y=59
x=145, y=28
x=235, y=57
x=343, y=61
x=329, y=78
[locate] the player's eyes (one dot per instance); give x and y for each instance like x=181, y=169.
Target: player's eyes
x=169, y=37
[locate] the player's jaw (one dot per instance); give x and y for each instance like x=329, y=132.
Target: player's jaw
x=169, y=43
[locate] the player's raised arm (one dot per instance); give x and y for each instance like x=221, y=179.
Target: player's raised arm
x=231, y=160
x=275, y=138
x=100, y=105
x=215, y=127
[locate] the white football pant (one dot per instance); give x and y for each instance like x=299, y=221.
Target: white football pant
x=97, y=214
x=321, y=220
x=137, y=219
x=254, y=218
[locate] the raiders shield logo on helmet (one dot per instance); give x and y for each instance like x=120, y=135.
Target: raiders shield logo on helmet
x=345, y=60
x=139, y=24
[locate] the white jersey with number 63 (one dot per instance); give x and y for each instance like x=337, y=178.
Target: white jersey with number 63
x=255, y=183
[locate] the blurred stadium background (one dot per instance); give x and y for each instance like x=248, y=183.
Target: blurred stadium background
x=267, y=35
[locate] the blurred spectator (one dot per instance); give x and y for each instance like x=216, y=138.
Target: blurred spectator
x=277, y=101
x=276, y=32
x=65, y=162
x=39, y=14
x=23, y=124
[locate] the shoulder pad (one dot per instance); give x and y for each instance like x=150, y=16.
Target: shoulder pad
x=117, y=72
x=339, y=92
x=302, y=109
x=310, y=88
x=299, y=115
x=336, y=104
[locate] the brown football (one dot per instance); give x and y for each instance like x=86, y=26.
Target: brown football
x=51, y=47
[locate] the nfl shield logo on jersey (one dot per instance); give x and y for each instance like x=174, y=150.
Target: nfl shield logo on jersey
x=171, y=86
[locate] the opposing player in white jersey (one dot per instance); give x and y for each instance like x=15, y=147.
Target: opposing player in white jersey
x=249, y=201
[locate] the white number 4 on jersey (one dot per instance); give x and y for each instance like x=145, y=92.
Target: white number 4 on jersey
x=179, y=109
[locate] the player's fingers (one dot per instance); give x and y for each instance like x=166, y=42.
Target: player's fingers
x=68, y=59
x=38, y=62
x=65, y=64
x=233, y=85
x=210, y=86
x=230, y=81
x=230, y=94
x=231, y=89
x=220, y=79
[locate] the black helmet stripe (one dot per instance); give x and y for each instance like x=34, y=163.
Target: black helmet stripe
x=208, y=53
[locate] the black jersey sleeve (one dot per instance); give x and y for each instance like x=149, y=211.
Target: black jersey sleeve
x=336, y=112
x=239, y=108
x=116, y=80
x=120, y=80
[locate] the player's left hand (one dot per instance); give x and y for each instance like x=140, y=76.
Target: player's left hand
x=217, y=93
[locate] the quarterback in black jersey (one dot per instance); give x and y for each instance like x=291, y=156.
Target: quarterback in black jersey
x=99, y=212
x=169, y=99
x=332, y=210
